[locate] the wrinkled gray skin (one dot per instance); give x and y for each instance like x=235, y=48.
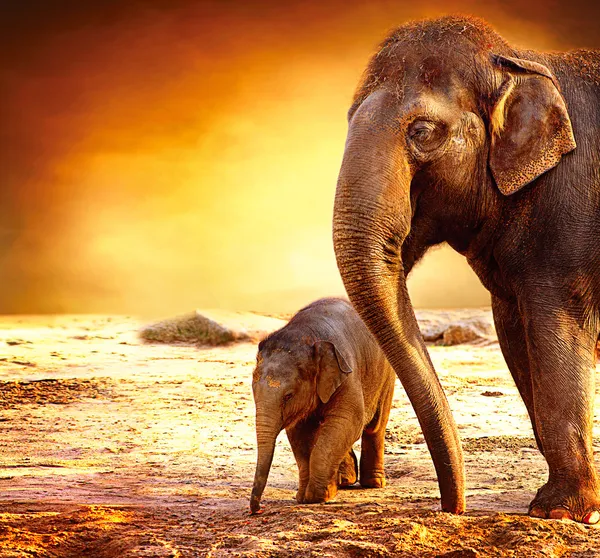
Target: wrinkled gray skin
x=325, y=380
x=455, y=136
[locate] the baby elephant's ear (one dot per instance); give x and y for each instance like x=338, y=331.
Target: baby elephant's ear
x=530, y=126
x=332, y=369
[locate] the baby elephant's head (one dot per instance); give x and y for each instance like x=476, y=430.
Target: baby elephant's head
x=289, y=381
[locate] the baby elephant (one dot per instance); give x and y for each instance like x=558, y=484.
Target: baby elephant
x=325, y=380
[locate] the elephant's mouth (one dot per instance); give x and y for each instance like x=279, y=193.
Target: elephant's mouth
x=294, y=412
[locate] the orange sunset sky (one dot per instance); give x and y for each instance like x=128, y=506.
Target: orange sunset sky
x=160, y=156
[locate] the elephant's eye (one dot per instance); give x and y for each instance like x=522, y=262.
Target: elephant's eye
x=287, y=397
x=421, y=130
x=426, y=136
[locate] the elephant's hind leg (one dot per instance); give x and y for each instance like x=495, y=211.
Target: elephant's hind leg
x=372, y=472
x=511, y=335
x=348, y=471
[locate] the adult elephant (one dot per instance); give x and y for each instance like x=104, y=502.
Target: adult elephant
x=455, y=136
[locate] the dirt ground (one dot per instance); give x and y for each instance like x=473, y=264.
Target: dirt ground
x=112, y=447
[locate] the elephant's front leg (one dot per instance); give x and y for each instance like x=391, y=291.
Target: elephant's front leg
x=302, y=439
x=561, y=354
x=334, y=440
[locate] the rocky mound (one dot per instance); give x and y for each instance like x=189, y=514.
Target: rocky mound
x=219, y=327
x=211, y=327
x=454, y=327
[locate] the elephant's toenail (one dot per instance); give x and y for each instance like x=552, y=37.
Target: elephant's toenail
x=560, y=513
x=537, y=512
x=591, y=518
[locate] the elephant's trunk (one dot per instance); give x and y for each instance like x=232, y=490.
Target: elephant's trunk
x=267, y=429
x=372, y=218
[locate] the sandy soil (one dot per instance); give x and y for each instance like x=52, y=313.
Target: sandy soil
x=112, y=447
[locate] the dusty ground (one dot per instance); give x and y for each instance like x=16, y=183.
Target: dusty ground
x=110, y=447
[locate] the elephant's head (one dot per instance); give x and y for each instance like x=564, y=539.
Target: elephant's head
x=291, y=379
x=447, y=122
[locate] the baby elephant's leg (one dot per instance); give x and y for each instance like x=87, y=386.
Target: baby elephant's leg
x=348, y=471
x=334, y=441
x=372, y=473
x=302, y=437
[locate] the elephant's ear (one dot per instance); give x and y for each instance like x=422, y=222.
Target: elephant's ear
x=332, y=369
x=530, y=126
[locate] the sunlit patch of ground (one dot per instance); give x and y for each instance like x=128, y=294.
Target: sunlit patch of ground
x=114, y=448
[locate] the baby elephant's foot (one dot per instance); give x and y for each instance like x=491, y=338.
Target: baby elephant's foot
x=373, y=482
x=348, y=470
x=561, y=501
x=316, y=495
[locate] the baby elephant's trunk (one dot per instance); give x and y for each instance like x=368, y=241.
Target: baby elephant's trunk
x=266, y=434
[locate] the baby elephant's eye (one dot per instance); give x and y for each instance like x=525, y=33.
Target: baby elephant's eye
x=287, y=397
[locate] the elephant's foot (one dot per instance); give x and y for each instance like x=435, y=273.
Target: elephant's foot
x=300, y=494
x=373, y=482
x=348, y=470
x=316, y=495
x=372, y=475
x=561, y=501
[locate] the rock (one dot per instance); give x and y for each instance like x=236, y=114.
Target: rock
x=190, y=328
x=466, y=331
x=433, y=324
x=454, y=327
x=211, y=327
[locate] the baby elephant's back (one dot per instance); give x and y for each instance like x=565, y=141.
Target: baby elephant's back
x=340, y=323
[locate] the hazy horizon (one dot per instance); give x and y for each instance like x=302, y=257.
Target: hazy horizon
x=162, y=156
